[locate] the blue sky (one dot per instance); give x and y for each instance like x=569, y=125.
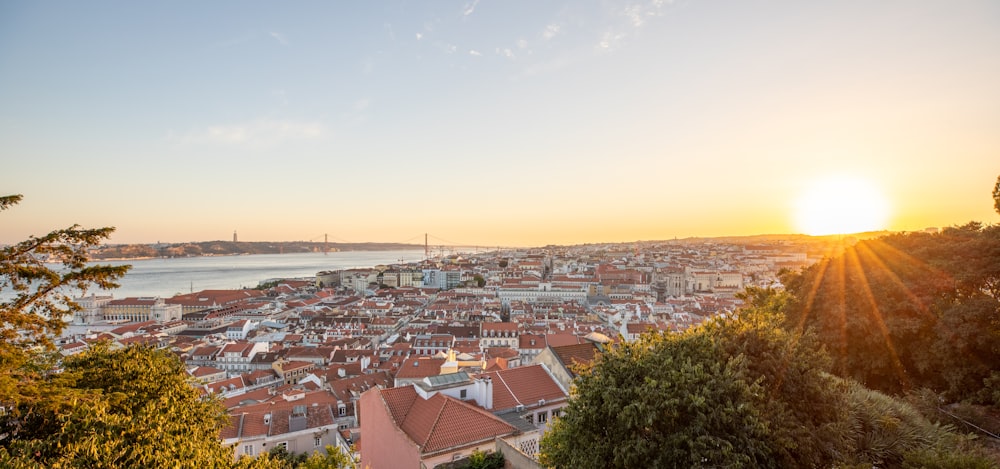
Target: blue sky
x=512, y=123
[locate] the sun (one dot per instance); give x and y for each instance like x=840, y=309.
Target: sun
x=841, y=205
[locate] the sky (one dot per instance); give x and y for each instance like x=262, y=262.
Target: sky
x=507, y=123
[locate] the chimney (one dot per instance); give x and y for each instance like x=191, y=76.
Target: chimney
x=484, y=392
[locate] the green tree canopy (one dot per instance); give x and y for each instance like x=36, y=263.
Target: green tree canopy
x=909, y=311
x=106, y=408
x=996, y=195
x=35, y=311
x=663, y=401
x=121, y=408
x=741, y=391
x=804, y=406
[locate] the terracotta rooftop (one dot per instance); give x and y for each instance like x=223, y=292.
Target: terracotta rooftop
x=345, y=389
x=558, y=340
x=133, y=327
x=573, y=355
x=420, y=367
x=524, y=385
x=441, y=422
x=209, y=297
x=499, y=326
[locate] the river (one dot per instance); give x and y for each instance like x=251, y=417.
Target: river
x=168, y=277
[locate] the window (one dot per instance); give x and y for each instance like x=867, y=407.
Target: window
x=317, y=441
x=342, y=410
x=283, y=444
x=543, y=417
x=463, y=394
x=248, y=450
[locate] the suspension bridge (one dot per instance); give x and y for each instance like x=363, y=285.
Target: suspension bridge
x=433, y=245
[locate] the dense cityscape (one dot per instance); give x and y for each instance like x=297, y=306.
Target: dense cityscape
x=295, y=359
x=481, y=235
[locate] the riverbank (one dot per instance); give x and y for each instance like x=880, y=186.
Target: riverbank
x=234, y=248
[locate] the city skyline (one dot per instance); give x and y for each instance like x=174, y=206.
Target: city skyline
x=512, y=124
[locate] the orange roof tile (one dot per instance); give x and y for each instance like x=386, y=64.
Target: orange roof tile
x=420, y=367
x=441, y=422
x=573, y=355
x=525, y=385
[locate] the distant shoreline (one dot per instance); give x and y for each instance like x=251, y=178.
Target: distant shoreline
x=126, y=252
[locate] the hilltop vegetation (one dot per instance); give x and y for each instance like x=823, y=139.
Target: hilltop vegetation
x=882, y=355
x=910, y=311
x=744, y=391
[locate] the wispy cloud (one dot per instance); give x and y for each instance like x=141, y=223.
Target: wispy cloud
x=470, y=8
x=632, y=18
x=638, y=13
x=551, y=31
x=610, y=41
x=260, y=133
x=279, y=37
x=475, y=53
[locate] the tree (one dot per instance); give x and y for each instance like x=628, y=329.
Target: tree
x=803, y=405
x=909, y=311
x=36, y=312
x=105, y=408
x=335, y=458
x=996, y=195
x=666, y=400
x=122, y=408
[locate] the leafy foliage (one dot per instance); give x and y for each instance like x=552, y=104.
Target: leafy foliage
x=481, y=460
x=130, y=407
x=334, y=458
x=105, y=408
x=891, y=433
x=43, y=295
x=740, y=391
x=42, y=298
x=663, y=401
x=996, y=196
x=909, y=311
x=804, y=406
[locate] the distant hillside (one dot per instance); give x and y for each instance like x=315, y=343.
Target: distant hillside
x=230, y=248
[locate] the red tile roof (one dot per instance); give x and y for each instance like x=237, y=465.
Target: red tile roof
x=441, y=422
x=558, y=340
x=575, y=355
x=420, y=367
x=525, y=385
